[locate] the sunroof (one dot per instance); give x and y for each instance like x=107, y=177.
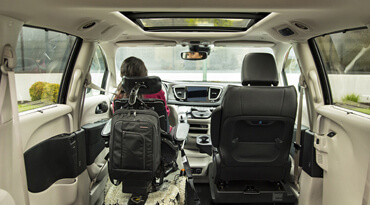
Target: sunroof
x=191, y=22
x=194, y=21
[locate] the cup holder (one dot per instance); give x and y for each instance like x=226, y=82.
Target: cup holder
x=204, y=144
x=203, y=139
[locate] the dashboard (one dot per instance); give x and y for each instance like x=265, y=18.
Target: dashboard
x=201, y=94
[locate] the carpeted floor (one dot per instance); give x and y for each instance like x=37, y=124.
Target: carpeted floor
x=203, y=193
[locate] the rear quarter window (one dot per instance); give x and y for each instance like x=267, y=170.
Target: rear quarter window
x=42, y=58
x=346, y=60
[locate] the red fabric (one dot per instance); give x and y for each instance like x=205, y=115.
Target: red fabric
x=159, y=95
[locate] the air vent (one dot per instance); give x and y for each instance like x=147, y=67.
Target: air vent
x=286, y=31
x=180, y=93
x=214, y=93
x=198, y=128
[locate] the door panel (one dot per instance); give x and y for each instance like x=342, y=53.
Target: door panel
x=344, y=156
x=41, y=125
x=39, y=128
x=55, y=159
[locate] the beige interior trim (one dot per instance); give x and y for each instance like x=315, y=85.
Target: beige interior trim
x=347, y=154
x=81, y=69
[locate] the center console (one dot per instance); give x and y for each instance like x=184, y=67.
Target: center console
x=195, y=102
x=199, y=119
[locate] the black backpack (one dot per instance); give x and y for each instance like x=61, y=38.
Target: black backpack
x=135, y=149
x=140, y=151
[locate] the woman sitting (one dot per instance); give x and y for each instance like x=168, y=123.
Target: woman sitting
x=135, y=67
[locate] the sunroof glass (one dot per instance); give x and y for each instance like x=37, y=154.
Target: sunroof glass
x=195, y=22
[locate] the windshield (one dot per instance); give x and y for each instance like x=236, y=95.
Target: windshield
x=222, y=65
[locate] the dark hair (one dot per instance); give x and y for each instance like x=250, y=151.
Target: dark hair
x=132, y=67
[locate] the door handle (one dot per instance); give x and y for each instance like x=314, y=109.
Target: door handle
x=101, y=108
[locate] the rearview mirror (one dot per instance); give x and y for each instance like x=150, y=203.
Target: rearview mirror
x=194, y=55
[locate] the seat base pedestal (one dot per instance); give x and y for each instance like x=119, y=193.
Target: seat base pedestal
x=252, y=192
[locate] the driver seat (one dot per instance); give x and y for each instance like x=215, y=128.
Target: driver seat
x=252, y=132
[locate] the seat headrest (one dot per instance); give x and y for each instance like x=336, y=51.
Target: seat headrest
x=259, y=69
x=148, y=84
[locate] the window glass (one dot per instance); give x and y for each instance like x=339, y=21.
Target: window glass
x=346, y=59
x=41, y=60
x=222, y=65
x=191, y=22
x=97, y=70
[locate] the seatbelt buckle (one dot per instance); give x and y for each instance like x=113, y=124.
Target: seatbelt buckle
x=297, y=147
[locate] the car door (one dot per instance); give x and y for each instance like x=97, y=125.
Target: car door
x=54, y=147
x=51, y=141
x=342, y=119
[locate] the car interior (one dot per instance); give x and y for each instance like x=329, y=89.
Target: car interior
x=264, y=102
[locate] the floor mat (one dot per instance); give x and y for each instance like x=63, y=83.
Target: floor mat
x=203, y=192
x=172, y=192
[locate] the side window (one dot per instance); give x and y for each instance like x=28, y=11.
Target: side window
x=42, y=57
x=98, y=72
x=346, y=60
x=291, y=72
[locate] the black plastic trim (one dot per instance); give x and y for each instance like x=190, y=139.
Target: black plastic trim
x=308, y=156
x=59, y=157
x=94, y=141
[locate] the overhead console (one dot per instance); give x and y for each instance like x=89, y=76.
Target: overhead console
x=197, y=94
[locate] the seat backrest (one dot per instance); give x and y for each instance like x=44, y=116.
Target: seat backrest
x=255, y=123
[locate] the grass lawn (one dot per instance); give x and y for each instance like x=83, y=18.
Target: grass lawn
x=363, y=110
x=25, y=107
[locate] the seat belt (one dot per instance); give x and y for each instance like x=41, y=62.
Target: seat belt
x=189, y=175
x=297, y=143
x=3, y=84
x=366, y=195
x=8, y=73
x=95, y=87
x=90, y=84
